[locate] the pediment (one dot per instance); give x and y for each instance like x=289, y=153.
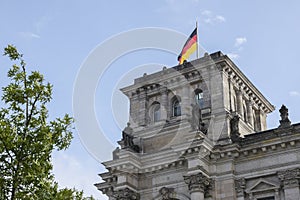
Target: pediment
x=262, y=185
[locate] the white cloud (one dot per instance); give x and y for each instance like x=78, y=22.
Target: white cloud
x=211, y=18
x=220, y=18
x=206, y=13
x=233, y=56
x=294, y=93
x=29, y=35
x=208, y=21
x=240, y=41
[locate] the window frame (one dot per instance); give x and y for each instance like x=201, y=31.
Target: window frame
x=176, y=108
x=199, y=98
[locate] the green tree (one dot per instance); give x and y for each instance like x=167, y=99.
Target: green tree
x=28, y=137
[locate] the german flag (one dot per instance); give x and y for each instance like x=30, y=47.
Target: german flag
x=189, y=47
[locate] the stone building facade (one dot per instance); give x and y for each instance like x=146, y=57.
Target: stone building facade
x=198, y=131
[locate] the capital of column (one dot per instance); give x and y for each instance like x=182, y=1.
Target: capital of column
x=290, y=178
x=167, y=193
x=126, y=194
x=197, y=182
x=238, y=92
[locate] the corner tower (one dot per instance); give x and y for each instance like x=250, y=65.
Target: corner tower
x=198, y=131
x=204, y=94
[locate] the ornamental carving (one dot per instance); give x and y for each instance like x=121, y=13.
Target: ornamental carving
x=290, y=177
x=234, y=129
x=127, y=139
x=284, y=114
x=196, y=119
x=198, y=182
x=167, y=193
x=240, y=185
x=126, y=194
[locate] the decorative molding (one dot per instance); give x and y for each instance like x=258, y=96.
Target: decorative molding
x=240, y=185
x=290, y=178
x=198, y=182
x=126, y=194
x=167, y=193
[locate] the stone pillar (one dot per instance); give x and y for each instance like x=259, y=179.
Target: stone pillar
x=290, y=180
x=164, y=103
x=197, y=195
x=230, y=89
x=258, y=120
x=185, y=100
x=239, y=99
x=142, y=117
x=249, y=112
x=198, y=184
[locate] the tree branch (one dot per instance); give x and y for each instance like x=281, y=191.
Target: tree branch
x=6, y=149
x=32, y=109
x=26, y=96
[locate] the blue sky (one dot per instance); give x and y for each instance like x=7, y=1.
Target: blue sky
x=262, y=37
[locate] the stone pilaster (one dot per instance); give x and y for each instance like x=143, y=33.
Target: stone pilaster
x=126, y=194
x=164, y=103
x=249, y=112
x=198, y=185
x=142, y=118
x=290, y=181
x=258, y=117
x=239, y=99
x=185, y=100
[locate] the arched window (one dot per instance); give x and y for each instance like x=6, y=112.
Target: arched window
x=156, y=112
x=199, y=98
x=176, y=108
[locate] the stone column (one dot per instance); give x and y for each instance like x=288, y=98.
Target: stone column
x=164, y=103
x=258, y=120
x=290, y=180
x=197, y=183
x=239, y=99
x=185, y=100
x=229, y=93
x=142, y=117
x=249, y=112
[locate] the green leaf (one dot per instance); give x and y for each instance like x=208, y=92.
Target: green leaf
x=28, y=137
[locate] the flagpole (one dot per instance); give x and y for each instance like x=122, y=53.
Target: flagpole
x=197, y=40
